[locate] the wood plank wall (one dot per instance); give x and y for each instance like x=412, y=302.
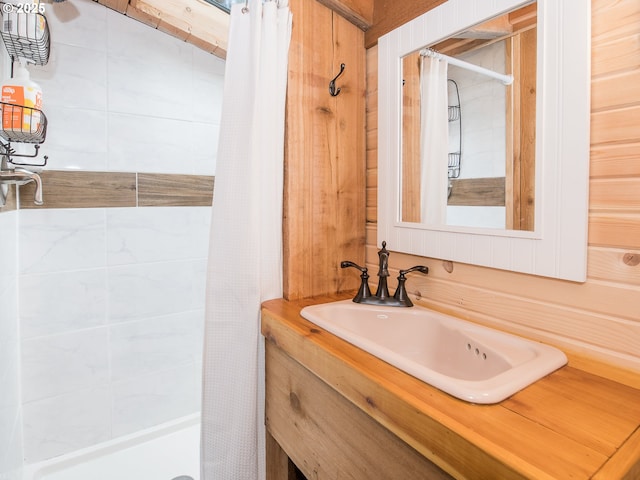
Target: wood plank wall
x=599, y=319
x=324, y=200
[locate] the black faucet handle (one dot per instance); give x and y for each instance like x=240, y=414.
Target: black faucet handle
x=346, y=264
x=364, y=291
x=401, y=292
x=417, y=268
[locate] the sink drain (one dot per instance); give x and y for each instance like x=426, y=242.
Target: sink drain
x=183, y=477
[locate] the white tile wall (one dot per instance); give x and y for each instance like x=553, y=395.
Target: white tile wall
x=63, y=301
x=160, y=288
x=121, y=96
x=146, y=346
x=79, y=23
x=61, y=240
x=10, y=410
x=156, y=234
x=75, y=77
x=64, y=423
x=58, y=364
x=151, y=399
x=111, y=301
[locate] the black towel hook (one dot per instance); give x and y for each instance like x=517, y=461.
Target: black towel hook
x=332, y=84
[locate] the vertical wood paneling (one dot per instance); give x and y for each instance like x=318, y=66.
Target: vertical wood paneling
x=598, y=319
x=411, y=132
x=324, y=164
x=349, y=197
x=524, y=155
x=306, y=147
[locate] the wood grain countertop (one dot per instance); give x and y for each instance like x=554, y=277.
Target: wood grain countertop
x=571, y=424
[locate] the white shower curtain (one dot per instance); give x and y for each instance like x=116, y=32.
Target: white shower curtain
x=245, y=256
x=434, y=144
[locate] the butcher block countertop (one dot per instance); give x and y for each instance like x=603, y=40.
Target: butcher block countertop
x=571, y=424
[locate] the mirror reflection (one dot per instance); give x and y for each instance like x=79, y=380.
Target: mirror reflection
x=468, y=127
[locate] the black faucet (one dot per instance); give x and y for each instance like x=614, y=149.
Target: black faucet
x=382, y=296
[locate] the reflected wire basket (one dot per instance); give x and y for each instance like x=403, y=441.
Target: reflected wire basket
x=454, y=165
x=454, y=113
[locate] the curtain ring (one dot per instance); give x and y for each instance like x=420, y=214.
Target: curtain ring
x=245, y=9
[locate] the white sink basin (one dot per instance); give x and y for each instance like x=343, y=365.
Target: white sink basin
x=469, y=361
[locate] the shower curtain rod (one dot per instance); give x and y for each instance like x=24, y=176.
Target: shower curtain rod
x=506, y=79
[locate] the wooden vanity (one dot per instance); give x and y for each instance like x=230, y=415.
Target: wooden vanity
x=336, y=411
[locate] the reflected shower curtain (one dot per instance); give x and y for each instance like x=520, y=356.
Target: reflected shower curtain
x=434, y=125
x=245, y=253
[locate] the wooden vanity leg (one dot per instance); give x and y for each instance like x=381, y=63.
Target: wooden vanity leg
x=278, y=467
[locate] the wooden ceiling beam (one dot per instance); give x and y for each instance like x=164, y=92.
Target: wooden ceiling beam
x=117, y=5
x=358, y=12
x=193, y=21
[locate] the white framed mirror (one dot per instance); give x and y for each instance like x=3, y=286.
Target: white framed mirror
x=555, y=242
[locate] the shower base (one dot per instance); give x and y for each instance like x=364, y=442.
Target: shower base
x=169, y=451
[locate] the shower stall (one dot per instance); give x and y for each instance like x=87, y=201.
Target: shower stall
x=102, y=303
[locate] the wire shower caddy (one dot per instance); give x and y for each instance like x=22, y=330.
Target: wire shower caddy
x=25, y=33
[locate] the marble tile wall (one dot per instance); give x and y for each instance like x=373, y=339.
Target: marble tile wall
x=111, y=307
x=111, y=300
x=10, y=408
x=122, y=96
